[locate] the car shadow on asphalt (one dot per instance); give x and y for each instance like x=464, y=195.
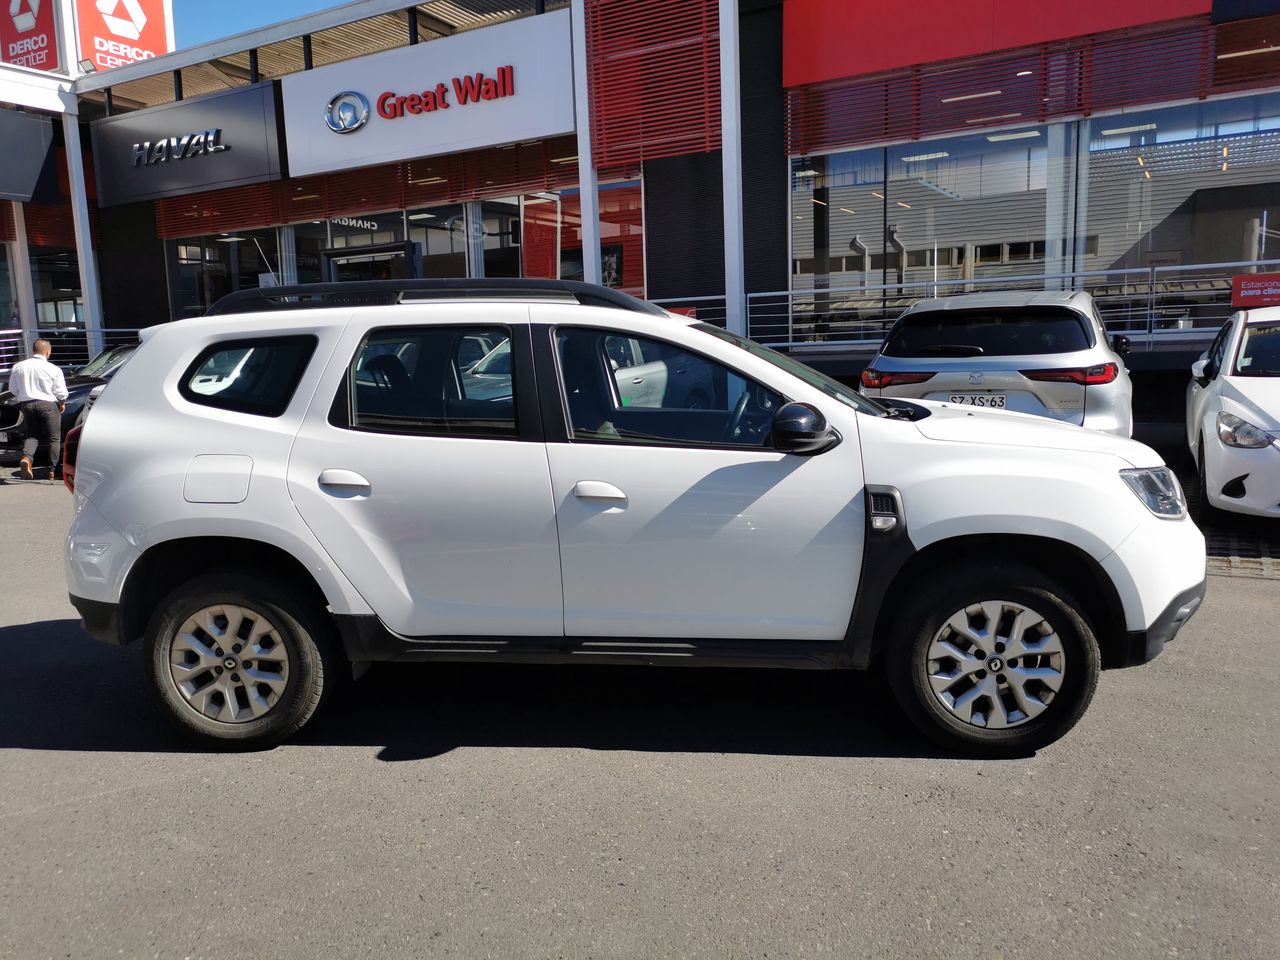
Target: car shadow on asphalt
x=66, y=691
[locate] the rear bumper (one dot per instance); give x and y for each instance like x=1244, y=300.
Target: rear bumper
x=1143, y=646
x=101, y=620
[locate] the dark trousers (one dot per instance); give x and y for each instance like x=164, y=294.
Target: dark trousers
x=43, y=423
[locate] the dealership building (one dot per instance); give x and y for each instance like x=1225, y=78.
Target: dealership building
x=798, y=170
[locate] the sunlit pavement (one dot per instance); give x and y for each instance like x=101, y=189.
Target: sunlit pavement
x=543, y=812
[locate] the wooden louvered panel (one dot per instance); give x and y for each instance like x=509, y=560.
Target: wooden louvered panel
x=1183, y=60
x=654, y=76
x=53, y=225
x=6, y=222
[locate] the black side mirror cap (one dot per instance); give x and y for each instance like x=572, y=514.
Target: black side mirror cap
x=1120, y=344
x=802, y=429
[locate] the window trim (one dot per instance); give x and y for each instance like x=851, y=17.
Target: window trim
x=273, y=413
x=556, y=404
x=528, y=423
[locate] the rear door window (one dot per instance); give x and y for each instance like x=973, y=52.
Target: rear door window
x=999, y=332
x=417, y=380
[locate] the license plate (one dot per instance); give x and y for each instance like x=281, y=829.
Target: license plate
x=997, y=400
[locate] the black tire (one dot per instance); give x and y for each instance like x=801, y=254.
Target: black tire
x=926, y=611
x=313, y=657
x=1205, y=512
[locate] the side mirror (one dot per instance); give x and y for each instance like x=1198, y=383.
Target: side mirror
x=1120, y=344
x=800, y=428
x=1199, y=371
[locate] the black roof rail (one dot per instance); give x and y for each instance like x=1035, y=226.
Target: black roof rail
x=364, y=293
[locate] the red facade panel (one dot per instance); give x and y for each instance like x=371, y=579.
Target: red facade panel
x=6, y=221
x=525, y=168
x=1186, y=60
x=827, y=40
x=654, y=75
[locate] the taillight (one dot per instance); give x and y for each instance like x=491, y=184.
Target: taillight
x=70, y=447
x=1085, y=376
x=877, y=380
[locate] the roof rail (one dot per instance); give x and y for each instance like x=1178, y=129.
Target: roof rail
x=364, y=293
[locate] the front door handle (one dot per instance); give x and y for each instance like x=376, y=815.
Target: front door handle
x=344, y=479
x=638, y=380
x=597, y=490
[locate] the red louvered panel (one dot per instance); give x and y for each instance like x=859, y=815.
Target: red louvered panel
x=496, y=172
x=53, y=225
x=219, y=211
x=6, y=222
x=1052, y=80
x=654, y=75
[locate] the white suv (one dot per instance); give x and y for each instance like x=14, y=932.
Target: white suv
x=343, y=500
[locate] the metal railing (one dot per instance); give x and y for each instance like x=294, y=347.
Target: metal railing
x=1150, y=305
x=73, y=347
x=707, y=309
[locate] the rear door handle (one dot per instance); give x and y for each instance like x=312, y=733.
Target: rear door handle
x=638, y=380
x=597, y=490
x=343, y=479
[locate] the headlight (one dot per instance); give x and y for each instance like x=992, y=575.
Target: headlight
x=1235, y=432
x=1158, y=488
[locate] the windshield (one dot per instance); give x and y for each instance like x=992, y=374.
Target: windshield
x=819, y=381
x=1259, y=354
x=105, y=362
x=497, y=362
x=995, y=332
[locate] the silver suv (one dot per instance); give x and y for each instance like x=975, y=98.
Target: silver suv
x=1040, y=353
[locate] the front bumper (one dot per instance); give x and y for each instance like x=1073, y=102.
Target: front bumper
x=101, y=620
x=1258, y=472
x=1143, y=646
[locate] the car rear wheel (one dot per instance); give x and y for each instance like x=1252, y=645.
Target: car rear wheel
x=238, y=662
x=993, y=661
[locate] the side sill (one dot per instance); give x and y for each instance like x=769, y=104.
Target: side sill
x=366, y=639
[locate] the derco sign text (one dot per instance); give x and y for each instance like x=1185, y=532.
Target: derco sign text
x=503, y=84
x=472, y=88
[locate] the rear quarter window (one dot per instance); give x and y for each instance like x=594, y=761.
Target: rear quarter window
x=1000, y=332
x=253, y=375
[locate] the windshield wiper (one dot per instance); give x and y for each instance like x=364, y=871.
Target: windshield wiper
x=953, y=350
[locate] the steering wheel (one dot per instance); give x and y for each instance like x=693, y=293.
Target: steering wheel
x=735, y=419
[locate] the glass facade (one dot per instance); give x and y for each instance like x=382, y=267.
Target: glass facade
x=534, y=235
x=55, y=274
x=1190, y=184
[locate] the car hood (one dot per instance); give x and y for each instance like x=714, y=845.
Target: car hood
x=955, y=424
x=77, y=389
x=1258, y=394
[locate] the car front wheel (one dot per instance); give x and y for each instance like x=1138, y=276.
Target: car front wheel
x=238, y=662
x=994, y=661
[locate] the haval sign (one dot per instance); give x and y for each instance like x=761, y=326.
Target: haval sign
x=116, y=32
x=503, y=84
x=28, y=35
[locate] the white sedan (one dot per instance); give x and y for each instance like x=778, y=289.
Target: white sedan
x=1233, y=416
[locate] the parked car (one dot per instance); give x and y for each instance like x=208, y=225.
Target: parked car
x=308, y=519
x=1042, y=353
x=95, y=373
x=1233, y=416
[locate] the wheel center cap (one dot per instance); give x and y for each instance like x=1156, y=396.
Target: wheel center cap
x=229, y=663
x=995, y=664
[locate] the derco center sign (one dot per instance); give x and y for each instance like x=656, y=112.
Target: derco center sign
x=498, y=85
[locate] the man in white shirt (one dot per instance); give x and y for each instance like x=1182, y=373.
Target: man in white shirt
x=41, y=392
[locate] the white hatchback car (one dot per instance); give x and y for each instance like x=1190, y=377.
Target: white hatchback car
x=1233, y=415
x=344, y=500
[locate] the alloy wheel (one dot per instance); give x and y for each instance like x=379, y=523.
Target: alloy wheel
x=995, y=664
x=229, y=663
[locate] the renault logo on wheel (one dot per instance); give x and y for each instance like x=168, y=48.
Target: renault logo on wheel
x=347, y=112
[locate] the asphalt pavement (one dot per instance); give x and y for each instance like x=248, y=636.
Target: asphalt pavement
x=458, y=811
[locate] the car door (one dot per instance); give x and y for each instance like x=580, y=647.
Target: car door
x=434, y=503
x=1200, y=397
x=683, y=522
